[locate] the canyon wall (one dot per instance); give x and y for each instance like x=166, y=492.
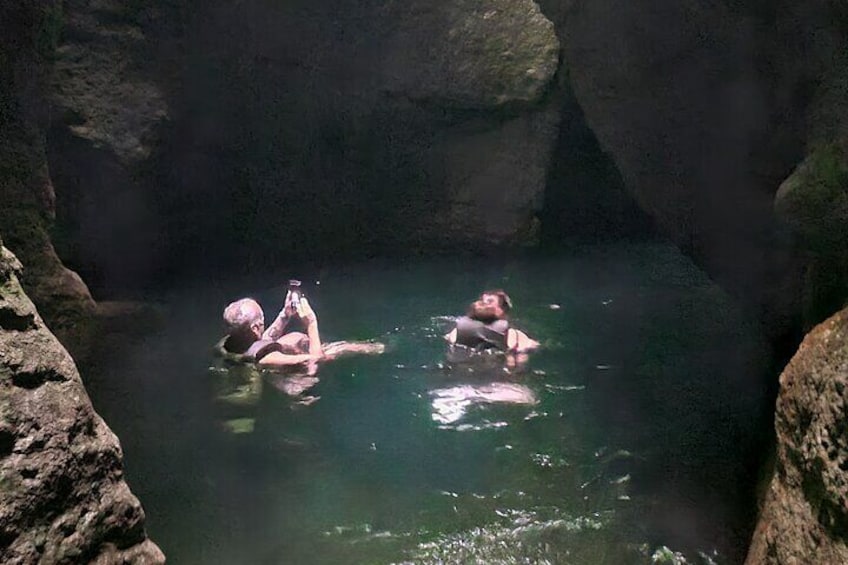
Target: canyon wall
x=64, y=499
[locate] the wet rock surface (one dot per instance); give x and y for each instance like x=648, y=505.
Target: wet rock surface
x=805, y=514
x=63, y=497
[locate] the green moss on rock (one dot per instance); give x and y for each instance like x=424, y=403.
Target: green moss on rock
x=814, y=199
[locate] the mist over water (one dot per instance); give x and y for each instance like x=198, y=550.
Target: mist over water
x=637, y=426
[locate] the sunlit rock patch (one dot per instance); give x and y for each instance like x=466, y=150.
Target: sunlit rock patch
x=63, y=498
x=805, y=514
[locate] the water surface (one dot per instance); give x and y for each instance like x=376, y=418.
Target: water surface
x=636, y=427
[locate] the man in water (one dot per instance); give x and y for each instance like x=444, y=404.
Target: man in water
x=248, y=336
x=486, y=326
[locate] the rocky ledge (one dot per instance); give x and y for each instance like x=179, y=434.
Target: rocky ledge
x=63, y=498
x=805, y=513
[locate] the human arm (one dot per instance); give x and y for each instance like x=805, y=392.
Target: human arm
x=311, y=320
x=278, y=359
x=450, y=337
x=519, y=342
x=276, y=329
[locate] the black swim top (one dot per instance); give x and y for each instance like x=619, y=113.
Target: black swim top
x=478, y=335
x=255, y=352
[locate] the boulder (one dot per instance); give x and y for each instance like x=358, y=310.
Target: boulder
x=813, y=200
x=471, y=54
x=63, y=497
x=804, y=518
x=702, y=107
x=400, y=126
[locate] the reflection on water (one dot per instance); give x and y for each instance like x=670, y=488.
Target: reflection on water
x=451, y=404
x=629, y=433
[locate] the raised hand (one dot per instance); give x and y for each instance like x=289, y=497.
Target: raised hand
x=306, y=313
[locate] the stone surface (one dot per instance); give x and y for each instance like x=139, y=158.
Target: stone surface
x=495, y=180
x=471, y=53
x=814, y=199
x=98, y=86
x=26, y=191
x=805, y=514
x=63, y=498
x=398, y=125
x=702, y=107
x=813, y=202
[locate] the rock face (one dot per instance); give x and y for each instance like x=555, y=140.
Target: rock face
x=62, y=494
x=107, y=111
x=471, y=54
x=805, y=514
x=397, y=125
x=484, y=56
x=26, y=191
x=813, y=201
x=702, y=107
x=98, y=84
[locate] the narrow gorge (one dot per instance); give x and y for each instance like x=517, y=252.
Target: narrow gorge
x=147, y=146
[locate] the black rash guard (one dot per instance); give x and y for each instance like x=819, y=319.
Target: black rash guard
x=479, y=335
x=255, y=351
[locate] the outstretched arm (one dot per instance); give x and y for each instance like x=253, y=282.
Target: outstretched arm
x=450, y=337
x=519, y=342
x=277, y=359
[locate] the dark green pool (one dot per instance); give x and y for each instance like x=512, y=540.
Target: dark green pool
x=637, y=427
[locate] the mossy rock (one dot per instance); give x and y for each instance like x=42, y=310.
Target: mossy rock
x=814, y=200
x=470, y=54
x=508, y=49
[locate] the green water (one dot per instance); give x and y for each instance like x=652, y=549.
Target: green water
x=636, y=427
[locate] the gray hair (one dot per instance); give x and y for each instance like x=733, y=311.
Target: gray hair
x=242, y=313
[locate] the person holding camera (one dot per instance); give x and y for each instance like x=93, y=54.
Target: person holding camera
x=273, y=346
x=247, y=335
x=485, y=326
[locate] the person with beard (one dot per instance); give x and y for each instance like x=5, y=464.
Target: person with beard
x=486, y=326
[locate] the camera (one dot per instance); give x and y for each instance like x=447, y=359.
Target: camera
x=296, y=294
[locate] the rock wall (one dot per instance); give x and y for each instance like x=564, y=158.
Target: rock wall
x=30, y=34
x=107, y=111
x=63, y=497
x=805, y=514
x=703, y=109
x=346, y=129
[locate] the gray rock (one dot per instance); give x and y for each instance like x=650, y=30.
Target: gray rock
x=26, y=190
x=98, y=84
x=698, y=104
x=805, y=514
x=63, y=497
x=471, y=53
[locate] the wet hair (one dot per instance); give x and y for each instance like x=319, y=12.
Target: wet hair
x=488, y=313
x=503, y=299
x=241, y=314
